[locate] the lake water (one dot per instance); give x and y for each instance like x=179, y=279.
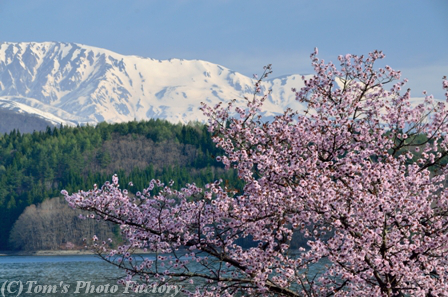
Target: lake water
x=59, y=276
x=63, y=276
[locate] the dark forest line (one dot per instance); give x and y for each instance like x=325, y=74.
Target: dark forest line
x=37, y=166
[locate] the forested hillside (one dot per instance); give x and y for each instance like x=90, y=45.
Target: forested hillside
x=38, y=165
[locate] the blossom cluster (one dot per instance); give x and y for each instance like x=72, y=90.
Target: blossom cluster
x=360, y=174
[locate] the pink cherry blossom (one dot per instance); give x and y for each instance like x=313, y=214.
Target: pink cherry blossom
x=359, y=176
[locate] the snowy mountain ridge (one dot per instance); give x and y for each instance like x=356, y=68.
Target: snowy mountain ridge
x=73, y=84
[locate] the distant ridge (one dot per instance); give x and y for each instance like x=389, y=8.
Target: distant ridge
x=24, y=123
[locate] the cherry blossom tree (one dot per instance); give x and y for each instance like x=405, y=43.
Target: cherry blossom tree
x=359, y=174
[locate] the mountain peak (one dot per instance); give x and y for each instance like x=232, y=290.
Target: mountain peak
x=83, y=84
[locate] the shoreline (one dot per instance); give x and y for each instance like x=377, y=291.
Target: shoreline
x=57, y=253
x=47, y=253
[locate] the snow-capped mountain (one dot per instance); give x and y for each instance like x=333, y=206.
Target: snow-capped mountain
x=71, y=83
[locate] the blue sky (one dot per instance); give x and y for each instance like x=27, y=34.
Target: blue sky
x=244, y=35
